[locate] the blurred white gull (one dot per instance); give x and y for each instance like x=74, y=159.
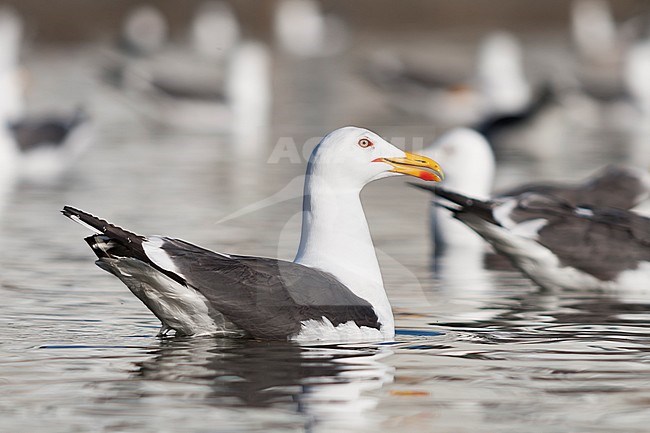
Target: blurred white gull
x=11, y=86
x=599, y=51
x=8, y=159
x=303, y=30
x=144, y=31
x=42, y=148
x=8, y=156
x=201, y=98
x=637, y=76
x=458, y=252
x=249, y=92
x=214, y=30
x=500, y=76
x=498, y=87
x=593, y=30
x=31, y=148
x=469, y=168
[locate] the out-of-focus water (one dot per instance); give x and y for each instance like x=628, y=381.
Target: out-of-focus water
x=477, y=350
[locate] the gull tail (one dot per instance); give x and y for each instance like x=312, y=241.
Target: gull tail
x=461, y=204
x=109, y=240
x=99, y=225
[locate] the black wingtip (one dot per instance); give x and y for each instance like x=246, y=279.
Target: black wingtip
x=70, y=212
x=84, y=218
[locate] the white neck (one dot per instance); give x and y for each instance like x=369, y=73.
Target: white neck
x=335, y=238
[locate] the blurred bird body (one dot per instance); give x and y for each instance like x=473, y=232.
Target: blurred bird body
x=499, y=86
x=40, y=149
x=470, y=169
x=559, y=245
x=200, y=97
x=32, y=148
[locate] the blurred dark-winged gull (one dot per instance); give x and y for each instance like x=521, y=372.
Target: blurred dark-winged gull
x=33, y=147
x=617, y=186
x=197, y=96
x=470, y=168
x=498, y=86
x=333, y=290
x=44, y=147
x=557, y=244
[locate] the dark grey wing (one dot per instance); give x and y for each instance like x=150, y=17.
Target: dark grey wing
x=268, y=298
x=600, y=241
x=31, y=134
x=613, y=186
x=565, y=192
x=395, y=76
x=188, y=90
x=492, y=125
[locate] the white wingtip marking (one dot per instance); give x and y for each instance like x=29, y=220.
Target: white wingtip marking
x=153, y=249
x=76, y=219
x=583, y=212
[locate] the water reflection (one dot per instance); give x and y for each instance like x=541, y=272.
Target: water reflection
x=556, y=317
x=325, y=384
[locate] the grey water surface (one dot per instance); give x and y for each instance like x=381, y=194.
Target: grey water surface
x=477, y=350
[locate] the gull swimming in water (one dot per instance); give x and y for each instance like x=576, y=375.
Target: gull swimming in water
x=333, y=290
x=557, y=244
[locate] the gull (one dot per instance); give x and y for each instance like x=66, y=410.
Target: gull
x=333, y=290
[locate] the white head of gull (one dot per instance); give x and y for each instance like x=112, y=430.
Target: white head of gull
x=332, y=291
x=469, y=169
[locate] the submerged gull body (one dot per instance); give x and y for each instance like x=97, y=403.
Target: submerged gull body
x=332, y=291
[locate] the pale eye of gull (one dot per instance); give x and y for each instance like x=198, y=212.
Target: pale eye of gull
x=364, y=142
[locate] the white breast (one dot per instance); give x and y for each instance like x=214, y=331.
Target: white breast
x=324, y=330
